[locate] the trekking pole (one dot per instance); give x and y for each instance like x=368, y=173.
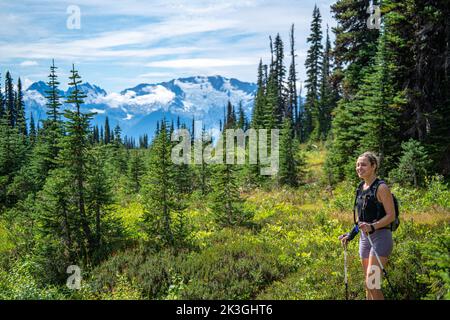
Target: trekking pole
x=345, y=272
x=379, y=262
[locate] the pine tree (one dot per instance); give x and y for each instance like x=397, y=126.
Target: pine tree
x=53, y=127
x=413, y=165
x=204, y=171
x=382, y=106
x=313, y=65
x=292, y=104
x=107, y=131
x=259, y=102
x=279, y=71
x=242, y=120
x=136, y=171
x=355, y=44
x=226, y=203
x=270, y=117
x=53, y=96
x=288, y=166
x=98, y=198
x=46, y=146
x=33, y=133
x=9, y=100
x=160, y=199
x=74, y=157
x=230, y=122
x=12, y=156
x=2, y=101
x=20, y=111
x=327, y=98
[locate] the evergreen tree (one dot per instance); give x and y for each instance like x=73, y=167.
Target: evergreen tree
x=74, y=157
x=230, y=122
x=292, y=105
x=2, y=100
x=33, y=133
x=382, y=105
x=12, y=156
x=107, y=132
x=313, y=65
x=160, y=198
x=269, y=120
x=136, y=171
x=242, y=120
x=327, y=97
x=20, y=111
x=279, y=73
x=98, y=199
x=53, y=127
x=355, y=44
x=413, y=165
x=9, y=100
x=204, y=171
x=226, y=203
x=259, y=102
x=117, y=135
x=287, y=174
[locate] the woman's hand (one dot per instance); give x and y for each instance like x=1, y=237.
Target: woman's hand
x=344, y=239
x=365, y=227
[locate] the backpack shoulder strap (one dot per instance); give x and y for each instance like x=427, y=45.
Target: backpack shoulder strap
x=358, y=189
x=375, y=188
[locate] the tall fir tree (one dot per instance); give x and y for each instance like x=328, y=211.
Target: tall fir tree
x=107, y=131
x=10, y=99
x=160, y=199
x=327, y=98
x=20, y=111
x=2, y=100
x=355, y=44
x=313, y=65
x=287, y=174
x=259, y=102
x=292, y=103
x=53, y=127
x=74, y=157
x=279, y=71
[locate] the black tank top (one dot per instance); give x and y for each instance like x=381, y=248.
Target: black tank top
x=368, y=206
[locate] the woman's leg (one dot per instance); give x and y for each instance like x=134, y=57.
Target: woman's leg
x=374, y=293
x=365, y=264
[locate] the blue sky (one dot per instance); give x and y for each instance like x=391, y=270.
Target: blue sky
x=123, y=43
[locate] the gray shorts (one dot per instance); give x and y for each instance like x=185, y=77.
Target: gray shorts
x=382, y=242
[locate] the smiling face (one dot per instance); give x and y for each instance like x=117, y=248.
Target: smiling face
x=364, y=168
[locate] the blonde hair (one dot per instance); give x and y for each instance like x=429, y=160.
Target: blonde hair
x=372, y=157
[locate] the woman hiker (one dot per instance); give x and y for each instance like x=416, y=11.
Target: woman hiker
x=375, y=207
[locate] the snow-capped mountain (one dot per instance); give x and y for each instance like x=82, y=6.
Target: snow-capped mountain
x=138, y=109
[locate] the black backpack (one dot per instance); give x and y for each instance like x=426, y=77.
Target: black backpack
x=373, y=189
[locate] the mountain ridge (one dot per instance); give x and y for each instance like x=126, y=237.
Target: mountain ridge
x=137, y=109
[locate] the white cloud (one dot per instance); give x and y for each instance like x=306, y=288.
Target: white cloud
x=183, y=36
x=201, y=63
x=28, y=63
x=97, y=111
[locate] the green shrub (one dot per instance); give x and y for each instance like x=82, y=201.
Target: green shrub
x=343, y=197
x=236, y=266
x=437, y=194
x=413, y=164
x=17, y=283
x=436, y=254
